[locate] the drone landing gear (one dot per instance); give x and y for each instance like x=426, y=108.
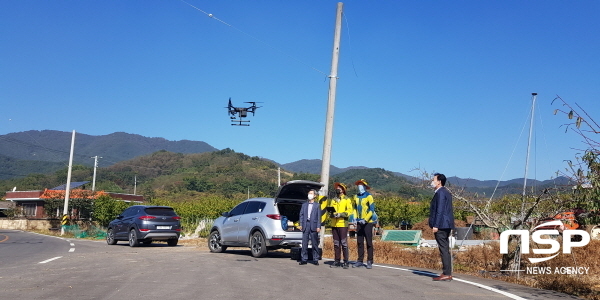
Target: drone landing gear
x=240, y=122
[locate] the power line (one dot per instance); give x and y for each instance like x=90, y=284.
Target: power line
x=255, y=38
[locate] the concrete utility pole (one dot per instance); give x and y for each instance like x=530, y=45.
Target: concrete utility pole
x=68, y=186
x=95, y=167
x=330, y=110
x=331, y=102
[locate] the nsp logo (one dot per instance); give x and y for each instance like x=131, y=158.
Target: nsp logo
x=536, y=236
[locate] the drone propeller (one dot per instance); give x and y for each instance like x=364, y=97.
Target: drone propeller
x=231, y=108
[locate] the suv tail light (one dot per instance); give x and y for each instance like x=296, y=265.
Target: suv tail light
x=274, y=217
x=176, y=218
x=144, y=218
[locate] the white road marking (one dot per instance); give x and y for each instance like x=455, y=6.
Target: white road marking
x=509, y=295
x=49, y=260
x=68, y=240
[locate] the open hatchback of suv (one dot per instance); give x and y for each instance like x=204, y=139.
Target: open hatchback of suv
x=145, y=224
x=263, y=224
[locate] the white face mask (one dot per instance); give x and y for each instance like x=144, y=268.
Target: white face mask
x=433, y=185
x=361, y=189
x=311, y=196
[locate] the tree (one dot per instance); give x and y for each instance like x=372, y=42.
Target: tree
x=513, y=213
x=585, y=171
x=105, y=209
x=197, y=184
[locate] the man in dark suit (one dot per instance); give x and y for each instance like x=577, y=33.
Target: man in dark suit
x=310, y=224
x=441, y=221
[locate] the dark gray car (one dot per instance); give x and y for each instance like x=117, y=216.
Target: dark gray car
x=145, y=224
x=263, y=223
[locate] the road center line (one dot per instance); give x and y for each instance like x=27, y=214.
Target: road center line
x=72, y=250
x=49, y=260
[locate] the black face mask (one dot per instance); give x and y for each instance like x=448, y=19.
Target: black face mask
x=338, y=192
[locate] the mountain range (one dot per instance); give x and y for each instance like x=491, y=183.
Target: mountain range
x=45, y=151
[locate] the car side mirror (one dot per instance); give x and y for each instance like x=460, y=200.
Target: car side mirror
x=225, y=214
x=120, y=217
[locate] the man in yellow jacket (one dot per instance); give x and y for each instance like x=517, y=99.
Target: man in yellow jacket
x=339, y=212
x=365, y=218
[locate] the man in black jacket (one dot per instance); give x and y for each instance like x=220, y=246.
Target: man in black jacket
x=441, y=221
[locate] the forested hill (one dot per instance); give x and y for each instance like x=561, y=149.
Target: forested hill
x=170, y=174
x=182, y=177
x=313, y=166
x=482, y=187
x=229, y=173
x=54, y=146
x=47, y=151
x=383, y=182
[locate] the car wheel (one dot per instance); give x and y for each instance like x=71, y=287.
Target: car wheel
x=214, y=242
x=110, y=237
x=172, y=242
x=133, y=241
x=258, y=246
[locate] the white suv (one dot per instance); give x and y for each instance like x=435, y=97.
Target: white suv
x=263, y=223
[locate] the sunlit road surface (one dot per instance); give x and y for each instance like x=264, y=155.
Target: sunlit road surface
x=34, y=266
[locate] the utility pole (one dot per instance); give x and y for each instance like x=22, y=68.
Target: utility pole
x=531, y=122
x=68, y=186
x=95, y=167
x=330, y=110
x=331, y=102
x=134, y=184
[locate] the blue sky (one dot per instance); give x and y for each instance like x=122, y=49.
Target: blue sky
x=438, y=85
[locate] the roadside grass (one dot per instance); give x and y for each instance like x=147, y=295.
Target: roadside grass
x=201, y=243
x=68, y=235
x=83, y=232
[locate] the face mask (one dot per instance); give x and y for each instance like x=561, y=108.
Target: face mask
x=311, y=196
x=433, y=185
x=338, y=192
x=361, y=189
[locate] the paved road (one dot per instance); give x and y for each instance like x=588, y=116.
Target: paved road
x=34, y=266
x=19, y=248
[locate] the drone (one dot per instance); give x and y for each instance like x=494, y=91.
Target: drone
x=241, y=112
